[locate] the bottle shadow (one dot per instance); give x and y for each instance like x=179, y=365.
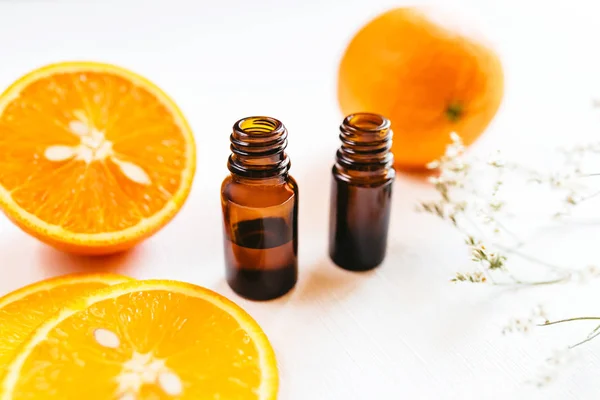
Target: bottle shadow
x=324, y=281
x=319, y=283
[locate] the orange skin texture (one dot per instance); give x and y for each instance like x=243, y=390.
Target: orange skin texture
x=428, y=80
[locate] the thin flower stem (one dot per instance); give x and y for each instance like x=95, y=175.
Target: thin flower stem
x=512, y=250
x=510, y=233
x=518, y=282
x=483, y=235
x=487, y=274
x=548, y=323
x=591, y=196
x=585, y=340
x=477, y=228
x=533, y=259
x=594, y=331
x=592, y=335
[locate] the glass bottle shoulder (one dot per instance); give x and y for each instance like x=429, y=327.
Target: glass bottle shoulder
x=259, y=193
x=360, y=178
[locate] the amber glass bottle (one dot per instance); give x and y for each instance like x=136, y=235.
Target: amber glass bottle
x=260, y=211
x=361, y=192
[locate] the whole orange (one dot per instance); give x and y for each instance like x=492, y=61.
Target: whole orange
x=428, y=79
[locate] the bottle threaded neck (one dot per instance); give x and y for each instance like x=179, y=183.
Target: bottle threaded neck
x=365, y=151
x=258, y=148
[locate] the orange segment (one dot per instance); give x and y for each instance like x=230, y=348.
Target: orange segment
x=146, y=340
x=93, y=158
x=23, y=310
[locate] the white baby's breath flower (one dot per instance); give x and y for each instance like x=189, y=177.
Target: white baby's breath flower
x=456, y=139
x=433, y=164
x=471, y=198
x=473, y=211
x=434, y=180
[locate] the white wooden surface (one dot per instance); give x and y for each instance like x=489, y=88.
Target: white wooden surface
x=403, y=331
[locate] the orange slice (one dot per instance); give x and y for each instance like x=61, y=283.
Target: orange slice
x=144, y=340
x=23, y=310
x=93, y=158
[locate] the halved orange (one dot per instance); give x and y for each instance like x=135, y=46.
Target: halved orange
x=93, y=157
x=145, y=340
x=23, y=310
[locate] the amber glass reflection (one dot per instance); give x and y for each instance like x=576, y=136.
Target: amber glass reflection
x=260, y=211
x=361, y=193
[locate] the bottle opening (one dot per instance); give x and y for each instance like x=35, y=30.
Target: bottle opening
x=365, y=153
x=253, y=126
x=258, y=148
x=366, y=122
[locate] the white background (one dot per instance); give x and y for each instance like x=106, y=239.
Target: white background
x=402, y=331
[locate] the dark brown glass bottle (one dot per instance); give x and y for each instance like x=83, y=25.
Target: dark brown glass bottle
x=260, y=211
x=361, y=193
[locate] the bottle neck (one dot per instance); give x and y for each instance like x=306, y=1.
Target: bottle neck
x=258, y=150
x=365, y=154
